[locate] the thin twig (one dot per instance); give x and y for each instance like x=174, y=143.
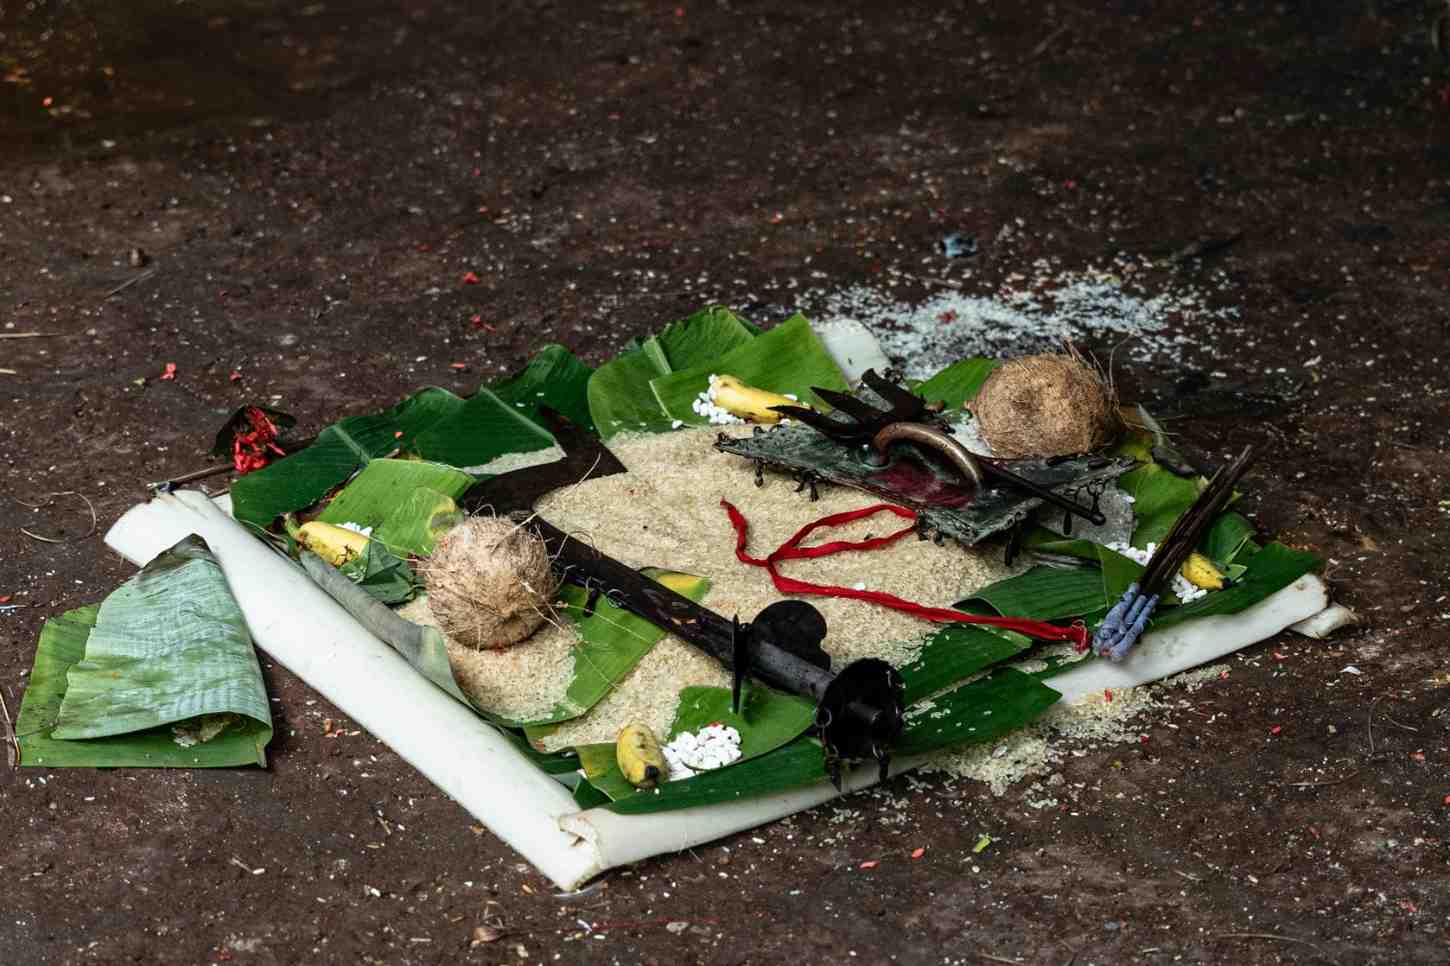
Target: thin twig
x=1399, y=725
x=1048, y=41
x=928, y=280
x=28, y=335
x=49, y=498
x=1332, y=781
x=1369, y=725
x=1269, y=935
x=9, y=372
x=998, y=959
x=1190, y=878
x=128, y=283
x=191, y=477
x=14, y=743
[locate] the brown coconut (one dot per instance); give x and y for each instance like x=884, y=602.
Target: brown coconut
x=489, y=583
x=1047, y=405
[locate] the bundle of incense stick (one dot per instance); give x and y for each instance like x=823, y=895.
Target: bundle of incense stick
x=1128, y=619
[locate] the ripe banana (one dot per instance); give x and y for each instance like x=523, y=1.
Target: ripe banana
x=1199, y=571
x=747, y=402
x=639, y=756
x=337, y=545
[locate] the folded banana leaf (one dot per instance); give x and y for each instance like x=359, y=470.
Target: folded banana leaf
x=162, y=674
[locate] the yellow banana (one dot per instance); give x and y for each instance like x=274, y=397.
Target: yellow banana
x=337, y=545
x=639, y=756
x=747, y=402
x=1199, y=571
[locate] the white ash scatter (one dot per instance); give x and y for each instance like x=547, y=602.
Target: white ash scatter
x=1185, y=590
x=1035, y=313
x=713, y=746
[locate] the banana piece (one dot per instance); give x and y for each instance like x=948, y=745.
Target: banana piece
x=337, y=545
x=747, y=402
x=1199, y=571
x=639, y=756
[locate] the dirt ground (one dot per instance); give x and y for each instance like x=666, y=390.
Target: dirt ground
x=308, y=185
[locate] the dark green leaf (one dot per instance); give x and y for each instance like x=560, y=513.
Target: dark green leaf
x=789, y=359
x=802, y=762
x=1047, y=593
x=1270, y=570
x=303, y=478
x=956, y=652
x=958, y=382
x=480, y=431
x=555, y=378
x=384, y=576
x=620, y=399
x=611, y=642
x=983, y=710
x=1228, y=535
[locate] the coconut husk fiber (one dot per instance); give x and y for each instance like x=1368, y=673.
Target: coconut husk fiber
x=1047, y=405
x=489, y=583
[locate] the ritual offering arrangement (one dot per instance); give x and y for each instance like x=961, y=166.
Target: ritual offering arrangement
x=725, y=576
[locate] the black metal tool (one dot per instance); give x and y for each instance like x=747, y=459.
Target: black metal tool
x=859, y=710
x=866, y=424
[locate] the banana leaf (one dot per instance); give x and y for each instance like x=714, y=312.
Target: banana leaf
x=376, y=493
x=611, y=642
x=1047, y=593
x=958, y=382
x=164, y=660
x=387, y=578
x=954, y=653
x=1227, y=538
x=1266, y=572
x=341, y=449
x=415, y=524
x=984, y=710
x=789, y=358
x=555, y=378
x=619, y=396
x=971, y=714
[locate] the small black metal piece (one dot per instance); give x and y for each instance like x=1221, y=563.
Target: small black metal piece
x=739, y=661
x=592, y=601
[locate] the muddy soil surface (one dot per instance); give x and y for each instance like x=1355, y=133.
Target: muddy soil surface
x=305, y=187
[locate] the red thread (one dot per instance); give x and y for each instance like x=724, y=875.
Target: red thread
x=792, y=550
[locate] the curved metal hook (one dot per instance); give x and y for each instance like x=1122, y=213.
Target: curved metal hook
x=955, y=453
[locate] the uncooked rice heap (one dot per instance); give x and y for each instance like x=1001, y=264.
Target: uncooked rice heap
x=665, y=512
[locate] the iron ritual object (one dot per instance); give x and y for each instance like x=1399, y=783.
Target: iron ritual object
x=859, y=710
x=1128, y=618
x=891, y=443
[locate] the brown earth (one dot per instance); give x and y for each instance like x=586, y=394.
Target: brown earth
x=310, y=184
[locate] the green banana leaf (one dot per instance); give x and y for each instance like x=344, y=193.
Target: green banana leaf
x=768, y=720
x=417, y=522
x=1230, y=534
x=387, y=578
x=1266, y=572
x=611, y=642
x=164, y=659
x=958, y=382
x=375, y=494
x=981, y=711
x=483, y=429
x=1047, y=593
x=555, y=378
x=619, y=395
x=341, y=449
x=789, y=358
x=954, y=653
